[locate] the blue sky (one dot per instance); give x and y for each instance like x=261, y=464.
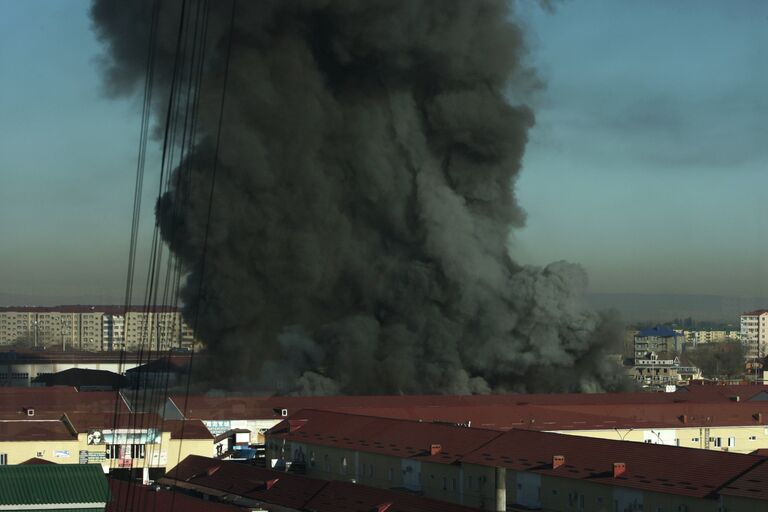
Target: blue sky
x=647, y=164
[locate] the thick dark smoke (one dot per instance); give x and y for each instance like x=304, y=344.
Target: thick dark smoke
x=363, y=200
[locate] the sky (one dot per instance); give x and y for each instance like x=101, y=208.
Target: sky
x=647, y=164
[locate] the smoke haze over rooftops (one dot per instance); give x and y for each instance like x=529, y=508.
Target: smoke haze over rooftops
x=363, y=200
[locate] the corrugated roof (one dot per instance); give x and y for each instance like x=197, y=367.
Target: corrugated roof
x=752, y=484
x=54, y=483
x=129, y=497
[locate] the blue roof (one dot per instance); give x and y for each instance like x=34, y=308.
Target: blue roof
x=659, y=330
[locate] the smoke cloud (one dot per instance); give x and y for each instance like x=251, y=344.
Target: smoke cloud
x=363, y=201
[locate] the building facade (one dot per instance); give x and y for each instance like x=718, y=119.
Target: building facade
x=657, y=339
x=95, y=328
x=754, y=333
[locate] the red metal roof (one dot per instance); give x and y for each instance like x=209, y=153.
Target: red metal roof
x=348, y=497
x=85, y=421
x=52, y=402
x=702, y=405
x=667, y=469
x=397, y=438
x=752, y=484
x=187, y=429
x=229, y=478
x=130, y=497
x=244, y=480
x=35, y=430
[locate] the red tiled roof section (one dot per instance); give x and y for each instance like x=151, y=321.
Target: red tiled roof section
x=85, y=421
x=129, y=497
x=52, y=402
x=24, y=430
x=236, y=478
x=396, y=438
x=187, y=429
x=667, y=469
x=752, y=484
x=294, y=491
x=348, y=497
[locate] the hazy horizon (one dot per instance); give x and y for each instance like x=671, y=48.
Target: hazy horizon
x=646, y=164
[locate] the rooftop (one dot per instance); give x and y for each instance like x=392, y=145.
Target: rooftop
x=227, y=478
x=129, y=497
x=752, y=484
x=45, y=484
x=657, y=331
x=396, y=438
x=695, y=472
x=187, y=429
x=35, y=430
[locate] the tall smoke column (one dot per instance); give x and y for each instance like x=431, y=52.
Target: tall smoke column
x=363, y=200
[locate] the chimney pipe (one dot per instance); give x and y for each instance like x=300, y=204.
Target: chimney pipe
x=758, y=417
x=619, y=468
x=557, y=461
x=434, y=449
x=684, y=418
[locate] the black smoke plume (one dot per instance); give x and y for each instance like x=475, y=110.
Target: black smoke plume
x=363, y=201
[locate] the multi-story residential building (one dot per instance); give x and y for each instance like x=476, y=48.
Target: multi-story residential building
x=95, y=328
x=657, y=339
x=754, y=333
x=693, y=338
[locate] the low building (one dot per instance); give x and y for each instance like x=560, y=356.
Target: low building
x=653, y=372
x=53, y=487
x=495, y=470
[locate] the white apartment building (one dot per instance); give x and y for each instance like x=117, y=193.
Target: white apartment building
x=754, y=333
x=95, y=328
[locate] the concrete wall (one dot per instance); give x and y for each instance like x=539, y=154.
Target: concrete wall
x=60, y=452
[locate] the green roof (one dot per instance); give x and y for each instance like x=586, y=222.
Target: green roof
x=53, y=483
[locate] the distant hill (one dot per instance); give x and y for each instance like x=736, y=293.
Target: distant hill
x=638, y=307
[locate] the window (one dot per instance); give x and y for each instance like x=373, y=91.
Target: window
x=731, y=442
x=326, y=463
x=753, y=438
x=370, y=471
x=694, y=439
x=445, y=483
x=469, y=482
x=391, y=474
x=3, y=459
x=137, y=451
x=343, y=466
x=362, y=469
x=454, y=484
x=581, y=502
x=717, y=441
